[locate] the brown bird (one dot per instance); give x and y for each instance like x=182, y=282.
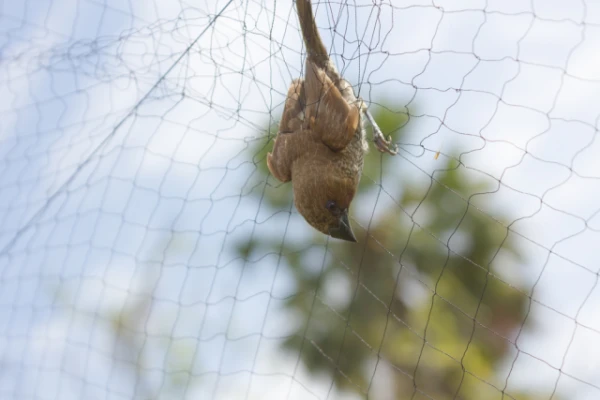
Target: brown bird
x=321, y=141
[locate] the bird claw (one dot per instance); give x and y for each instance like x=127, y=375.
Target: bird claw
x=383, y=145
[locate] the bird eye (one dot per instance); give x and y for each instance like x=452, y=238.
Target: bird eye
x=333, y=207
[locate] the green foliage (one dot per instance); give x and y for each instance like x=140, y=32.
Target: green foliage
x=417, y=296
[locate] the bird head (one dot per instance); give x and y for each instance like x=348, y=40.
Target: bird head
x=323, y=197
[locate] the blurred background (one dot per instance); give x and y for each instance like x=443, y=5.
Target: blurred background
x=147, y=253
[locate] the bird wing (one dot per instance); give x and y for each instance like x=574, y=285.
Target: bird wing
x=328, y=114
x=287, y=140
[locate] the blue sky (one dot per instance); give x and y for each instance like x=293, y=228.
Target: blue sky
x=131, y=198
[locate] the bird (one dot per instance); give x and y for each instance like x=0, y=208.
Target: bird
x=321, y=142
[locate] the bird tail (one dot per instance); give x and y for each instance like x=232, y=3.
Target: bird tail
x=315, y=48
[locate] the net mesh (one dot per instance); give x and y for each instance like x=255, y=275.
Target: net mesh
x=146, y=252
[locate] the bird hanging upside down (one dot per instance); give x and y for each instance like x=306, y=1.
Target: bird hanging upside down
x=321, y=141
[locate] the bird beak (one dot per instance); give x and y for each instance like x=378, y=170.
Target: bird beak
x=344, y=230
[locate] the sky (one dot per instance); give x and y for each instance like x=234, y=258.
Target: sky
x=113, y=185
